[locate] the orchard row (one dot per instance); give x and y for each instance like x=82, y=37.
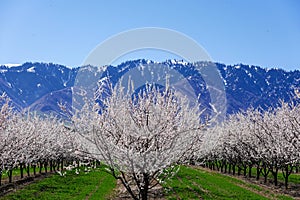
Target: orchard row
x=266, y=140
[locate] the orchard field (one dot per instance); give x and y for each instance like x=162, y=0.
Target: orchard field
x=141, y=145
x=190, y=183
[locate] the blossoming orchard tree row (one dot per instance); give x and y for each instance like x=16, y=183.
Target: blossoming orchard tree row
x=27, y=140
x=144, y=136
x=141, y=137
x=268, y=141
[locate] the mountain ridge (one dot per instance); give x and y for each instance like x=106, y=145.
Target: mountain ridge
x=40, y=86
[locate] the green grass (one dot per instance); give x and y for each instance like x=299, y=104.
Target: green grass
x=192, y=183
x=96, y=184
x=189, y=183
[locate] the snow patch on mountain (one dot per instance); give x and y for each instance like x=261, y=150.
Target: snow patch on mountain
x=9, y=65
x=31, y=69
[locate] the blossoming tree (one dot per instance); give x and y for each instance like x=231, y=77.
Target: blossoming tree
x=140, y=136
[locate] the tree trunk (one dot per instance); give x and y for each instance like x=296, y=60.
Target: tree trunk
x=145, y=188
x=51, y=166
x=41, y=166
x=233, y=169
x=275, y=175
x=286, y=172
x=265, y=172
x=54, y=166
x=61, y=165
x=28, y=169
x=0, y=177
x=218, y=165
x=257, y=173
x=21, y=170
x=45, y=165
x=250, y=171
x=286, y=178
x=34, y=169
x=10, y=175
x=258, y=170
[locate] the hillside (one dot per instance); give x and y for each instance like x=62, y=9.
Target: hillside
x=40, y=86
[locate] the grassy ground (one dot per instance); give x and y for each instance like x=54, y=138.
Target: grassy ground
x=96, y=184
x=195, y=183
x=189, y=183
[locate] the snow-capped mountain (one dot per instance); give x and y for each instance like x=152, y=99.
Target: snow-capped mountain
x=41, y=86
x=27, y=83
x=258, y=87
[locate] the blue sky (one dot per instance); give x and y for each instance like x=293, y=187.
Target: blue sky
x=256, y=32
